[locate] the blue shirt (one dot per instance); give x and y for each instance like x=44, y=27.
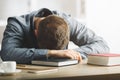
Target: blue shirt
x=19, y=42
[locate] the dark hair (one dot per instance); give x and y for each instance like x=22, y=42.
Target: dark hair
x=53, y=33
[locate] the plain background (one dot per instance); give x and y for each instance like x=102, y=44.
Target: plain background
x=102, y=16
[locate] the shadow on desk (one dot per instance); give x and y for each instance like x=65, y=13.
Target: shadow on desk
x=99, y=77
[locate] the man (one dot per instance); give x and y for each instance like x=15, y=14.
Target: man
x=21, y=41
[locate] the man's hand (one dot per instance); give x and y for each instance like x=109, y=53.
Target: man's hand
x=65, y=54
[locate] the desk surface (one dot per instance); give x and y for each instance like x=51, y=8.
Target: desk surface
x=73, y=72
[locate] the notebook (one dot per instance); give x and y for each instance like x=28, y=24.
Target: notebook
x=55, y=62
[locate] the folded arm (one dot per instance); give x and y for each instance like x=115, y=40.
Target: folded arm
x=86, y=39
x=13, y=45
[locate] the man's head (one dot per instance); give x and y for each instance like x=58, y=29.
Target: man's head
x=52, y=33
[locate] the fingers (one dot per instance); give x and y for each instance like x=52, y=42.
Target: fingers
x=73, y=55
x=68, y=55
x=65, y=54
x=80, y=58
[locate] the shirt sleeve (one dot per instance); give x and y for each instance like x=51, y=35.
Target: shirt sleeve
x=86, y=39
x=12, y=45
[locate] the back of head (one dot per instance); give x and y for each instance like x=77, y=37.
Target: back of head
x=53, y=33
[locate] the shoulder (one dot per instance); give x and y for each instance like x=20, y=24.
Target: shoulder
x=19, y=23
x=21, y=20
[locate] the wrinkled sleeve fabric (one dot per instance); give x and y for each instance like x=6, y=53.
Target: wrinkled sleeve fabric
x=12, y=45
x=86, y=39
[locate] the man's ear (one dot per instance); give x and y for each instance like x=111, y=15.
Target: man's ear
x=36, y=22
x=36, y=33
